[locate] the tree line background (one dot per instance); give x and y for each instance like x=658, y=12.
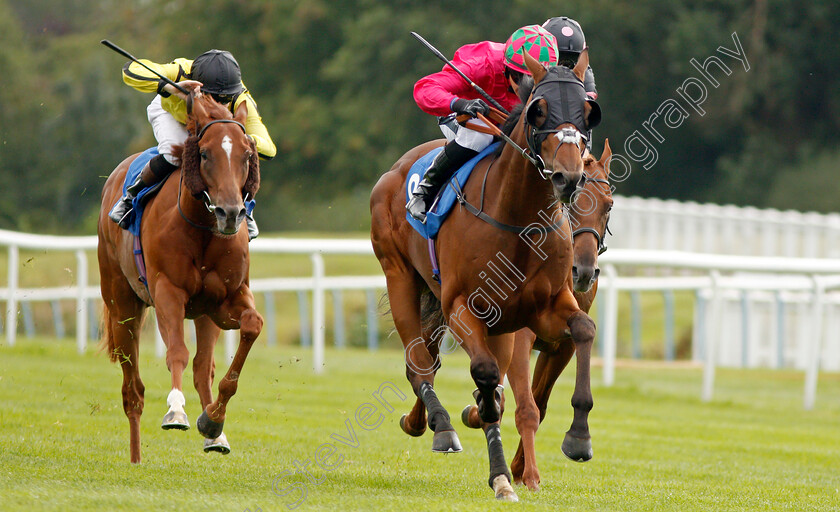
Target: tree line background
x=333, y=80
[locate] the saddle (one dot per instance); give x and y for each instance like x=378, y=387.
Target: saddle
x=448, y=195
x=143, y=197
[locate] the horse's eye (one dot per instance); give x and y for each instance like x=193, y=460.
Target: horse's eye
x=203, y=155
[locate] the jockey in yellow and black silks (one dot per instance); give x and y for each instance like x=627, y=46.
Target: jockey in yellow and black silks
x=217, y=73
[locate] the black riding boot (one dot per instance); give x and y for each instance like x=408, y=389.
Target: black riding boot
x=443, y=166
x=155, y=170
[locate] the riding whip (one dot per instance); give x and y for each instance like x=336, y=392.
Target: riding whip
x=127, y=55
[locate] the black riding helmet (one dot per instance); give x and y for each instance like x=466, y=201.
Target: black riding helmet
x=220, y=74
x=570, y=39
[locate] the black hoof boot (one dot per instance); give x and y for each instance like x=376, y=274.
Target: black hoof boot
x=207, y=427
x=446, y=442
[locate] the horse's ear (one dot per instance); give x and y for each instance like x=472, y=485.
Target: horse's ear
x=195, y=105
x=605, y=157
x=241, y=113
x=592, y=114
x=582, y=64
x=537, y=70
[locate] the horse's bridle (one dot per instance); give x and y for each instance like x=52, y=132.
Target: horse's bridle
x=600, y=238
x=205, y=197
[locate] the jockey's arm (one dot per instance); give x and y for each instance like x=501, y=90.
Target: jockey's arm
x=434, y=93
x=255, y=128
x=144, y=80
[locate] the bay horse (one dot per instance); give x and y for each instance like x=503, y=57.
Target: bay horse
x=589, y=216
x=196, y=261
x=537, y=273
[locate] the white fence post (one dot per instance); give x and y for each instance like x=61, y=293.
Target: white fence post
x=231, y=343
x=815, y=345
x=318, y=322
x=611, y=320
x=81, y=300
x=11, y=300
x=712, y=338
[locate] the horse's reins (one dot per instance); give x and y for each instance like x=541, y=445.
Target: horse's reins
x=205, y=198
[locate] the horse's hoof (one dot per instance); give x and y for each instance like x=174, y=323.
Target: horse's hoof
x=504, y=491
x=465, y=416
x=532, y=483
x=411, y=432
x=577, y=449
x=446, y=441
x=220, y=444
x=175, y=420
x=207, y=427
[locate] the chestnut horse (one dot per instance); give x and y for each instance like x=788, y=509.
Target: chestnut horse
x=196, y=260
x=516, y=191
x=589, y=216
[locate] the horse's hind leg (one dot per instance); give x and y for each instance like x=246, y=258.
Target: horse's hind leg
x=404, y=289
x=123, y=318
x=414, y=423
x=204, y=370
x=169, y=310
x=239, y=313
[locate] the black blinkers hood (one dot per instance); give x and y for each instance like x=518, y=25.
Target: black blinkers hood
x=565, y=98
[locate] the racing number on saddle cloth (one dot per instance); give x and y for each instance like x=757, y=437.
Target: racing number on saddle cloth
x=413, y=181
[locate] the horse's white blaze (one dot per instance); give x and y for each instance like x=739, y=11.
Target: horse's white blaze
x=227, y=145
x=175, y=400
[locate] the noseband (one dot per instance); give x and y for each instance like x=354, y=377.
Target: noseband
x=602, y=246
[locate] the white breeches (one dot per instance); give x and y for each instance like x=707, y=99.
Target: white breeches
x=168, y=131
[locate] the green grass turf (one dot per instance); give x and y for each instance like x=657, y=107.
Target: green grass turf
x=64, y=440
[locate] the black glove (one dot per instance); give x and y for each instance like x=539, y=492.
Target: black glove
x=470, y=107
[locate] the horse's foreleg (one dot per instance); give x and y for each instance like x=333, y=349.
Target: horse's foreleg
x=577, y=444
x=241, y=314
x=471, y=333
x=169, y=310
x=502, y=348
x=204, y=370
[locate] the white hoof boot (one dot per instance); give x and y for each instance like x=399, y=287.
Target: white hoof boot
x=220, y=444
x=175, y=418
x=503, y=489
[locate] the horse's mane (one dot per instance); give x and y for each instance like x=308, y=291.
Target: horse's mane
x=526, y=85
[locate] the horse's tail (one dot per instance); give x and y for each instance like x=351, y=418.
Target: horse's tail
x=431, y=314
x=107, y=342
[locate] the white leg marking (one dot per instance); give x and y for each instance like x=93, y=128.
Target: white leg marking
x=175, y=400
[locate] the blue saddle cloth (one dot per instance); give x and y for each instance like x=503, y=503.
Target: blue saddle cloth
x=446, y=198
x=134, y=169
